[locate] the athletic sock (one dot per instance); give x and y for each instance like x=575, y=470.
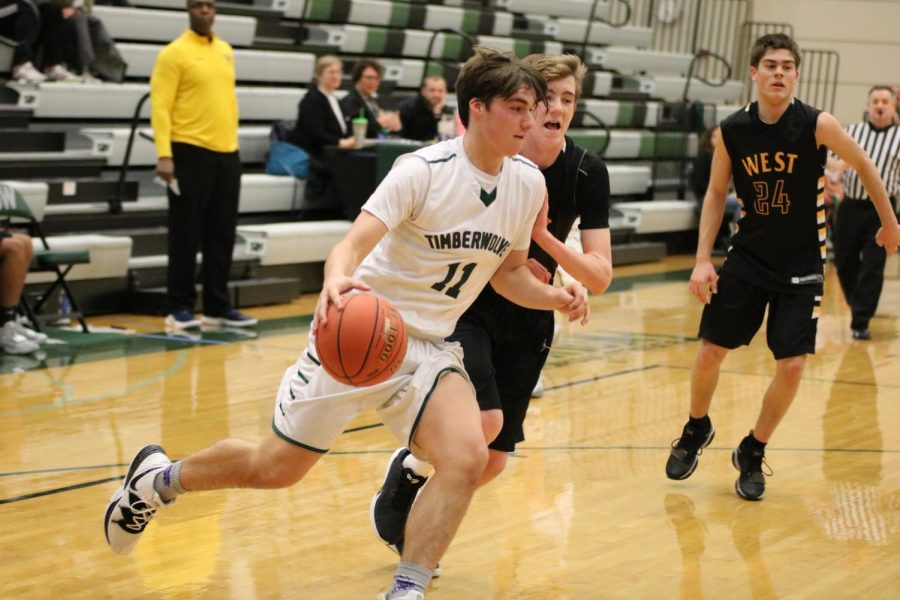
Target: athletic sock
x=417, y=466
x=410, y=576
x=168, y=482
x=701, y=424
x=7, y=313
x=751, y=443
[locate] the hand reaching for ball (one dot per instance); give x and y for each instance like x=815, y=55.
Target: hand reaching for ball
x=333, y=291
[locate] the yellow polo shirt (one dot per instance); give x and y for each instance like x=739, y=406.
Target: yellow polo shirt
x=192, y=95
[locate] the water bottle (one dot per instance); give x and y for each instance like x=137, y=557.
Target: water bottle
x=360, y=126
x=65, y=309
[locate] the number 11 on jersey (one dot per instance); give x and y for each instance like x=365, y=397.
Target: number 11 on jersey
x=452, y=268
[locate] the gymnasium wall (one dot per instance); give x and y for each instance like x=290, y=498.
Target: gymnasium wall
x=866, y=34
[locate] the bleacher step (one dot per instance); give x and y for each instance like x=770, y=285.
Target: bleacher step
x=630, y=253
x=14, y=116
x=243, y=293
x=71, y=163
x=19, y=140
x=72, y=191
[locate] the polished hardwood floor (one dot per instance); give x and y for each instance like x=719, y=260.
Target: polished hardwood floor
x=583, y=512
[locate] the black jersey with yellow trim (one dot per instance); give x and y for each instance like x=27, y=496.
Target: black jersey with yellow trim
x=778, y=172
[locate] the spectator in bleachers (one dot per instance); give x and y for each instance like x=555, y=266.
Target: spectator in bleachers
x=320, y=123
x=195, y=121
x=21, y=29
x=421, y=114
x=89, y=49
x=54, y=17
x=362, y=99
x=15, y=258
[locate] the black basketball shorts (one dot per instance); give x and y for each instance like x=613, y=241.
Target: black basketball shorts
x=504, y=364
x=736, y=312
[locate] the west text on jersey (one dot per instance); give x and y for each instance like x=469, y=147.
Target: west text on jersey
x=768, y=162
x=479, y=240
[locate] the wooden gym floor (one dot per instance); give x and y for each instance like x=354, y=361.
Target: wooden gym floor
x=583, y=512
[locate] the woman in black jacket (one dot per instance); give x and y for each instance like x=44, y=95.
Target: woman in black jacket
x=321, y=123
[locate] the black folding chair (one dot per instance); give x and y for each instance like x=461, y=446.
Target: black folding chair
x=15, y=211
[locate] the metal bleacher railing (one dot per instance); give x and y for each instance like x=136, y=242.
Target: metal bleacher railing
x=115, y=203
x=621, y=21
x=443, y=31
x=820, y=68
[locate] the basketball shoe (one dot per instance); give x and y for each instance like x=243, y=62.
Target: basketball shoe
x=404, y=595
x=391, y=504
x=751, y=484
x=136, y=501
x=685, y=450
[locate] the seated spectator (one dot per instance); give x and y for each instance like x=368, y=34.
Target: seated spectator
x=362, y=99
x=420, y=115
x=320, y=123
x=54, y=14
x=15, y=258
x=89, y=49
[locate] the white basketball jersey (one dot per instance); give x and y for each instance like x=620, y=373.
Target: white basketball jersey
x=447, y=236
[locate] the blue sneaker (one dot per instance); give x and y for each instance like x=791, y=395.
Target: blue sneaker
x=232, y=318
x=182, y=319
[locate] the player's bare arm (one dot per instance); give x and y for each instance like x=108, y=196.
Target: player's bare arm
x=593, y=268
x=515, y=282
x=703, y=277
x=830, y=133
x=343, y=260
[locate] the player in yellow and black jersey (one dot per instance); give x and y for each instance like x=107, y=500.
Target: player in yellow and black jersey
x=774, y=149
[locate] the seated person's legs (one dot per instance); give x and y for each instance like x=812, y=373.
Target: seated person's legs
x=15, y=259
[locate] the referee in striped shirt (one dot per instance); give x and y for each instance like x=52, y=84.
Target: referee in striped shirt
x=858, y=259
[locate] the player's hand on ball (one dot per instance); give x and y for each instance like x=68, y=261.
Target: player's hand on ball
x=332, y=291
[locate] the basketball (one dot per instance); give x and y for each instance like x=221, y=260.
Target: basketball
x=364, y=343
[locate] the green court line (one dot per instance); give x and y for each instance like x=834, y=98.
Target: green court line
x=78, y=347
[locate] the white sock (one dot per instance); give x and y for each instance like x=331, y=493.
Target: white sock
x=419, y=467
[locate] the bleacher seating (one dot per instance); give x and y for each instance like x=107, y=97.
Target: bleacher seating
x=625, y=95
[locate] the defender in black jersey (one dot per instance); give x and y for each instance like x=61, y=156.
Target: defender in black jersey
x=774, y=149
x=505, y=345
x=858, y=259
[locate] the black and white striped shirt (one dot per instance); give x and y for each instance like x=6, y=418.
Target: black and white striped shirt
x=883, y=147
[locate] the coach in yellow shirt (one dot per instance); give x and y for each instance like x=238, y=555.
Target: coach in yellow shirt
x=195, y=119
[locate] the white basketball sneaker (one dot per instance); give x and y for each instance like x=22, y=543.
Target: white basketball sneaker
x=404, y=595
x=136, y=501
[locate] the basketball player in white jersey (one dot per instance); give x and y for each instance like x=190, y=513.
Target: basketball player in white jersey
x=443, y=223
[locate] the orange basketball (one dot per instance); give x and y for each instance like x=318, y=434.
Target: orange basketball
x=364, y=343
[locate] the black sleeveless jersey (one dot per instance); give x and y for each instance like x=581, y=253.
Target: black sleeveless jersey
x=577, y=186
x=778, y=175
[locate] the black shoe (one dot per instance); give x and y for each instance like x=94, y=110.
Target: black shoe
x=862, y=334
x=391, y=504
x=685, y=450
x=751, y=484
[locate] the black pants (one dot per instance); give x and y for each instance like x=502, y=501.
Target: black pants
x=203, y=217
x=858, y=259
